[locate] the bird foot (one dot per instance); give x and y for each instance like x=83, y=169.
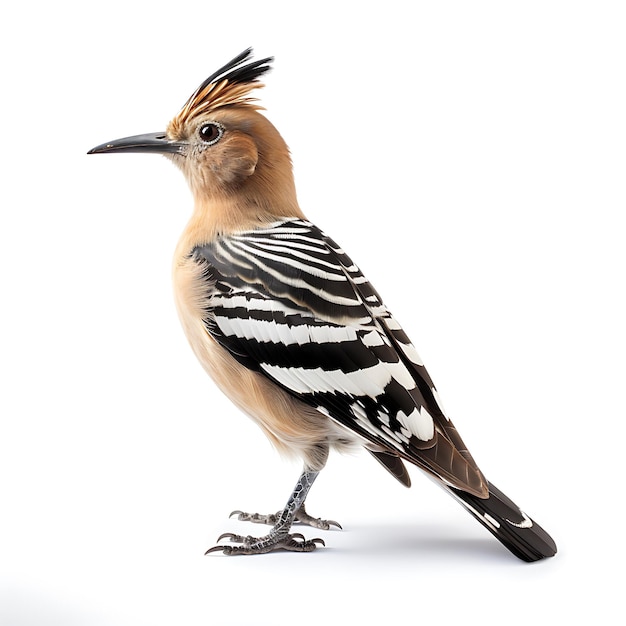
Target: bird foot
x=279, y=537
x=301, y=517
x=294, y=542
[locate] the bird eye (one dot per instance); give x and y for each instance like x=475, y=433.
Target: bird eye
x=211, y=133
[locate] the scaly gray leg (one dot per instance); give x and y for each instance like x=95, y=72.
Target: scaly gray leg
x=279, y=537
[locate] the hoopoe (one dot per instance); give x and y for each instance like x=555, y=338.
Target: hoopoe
x=289, y=328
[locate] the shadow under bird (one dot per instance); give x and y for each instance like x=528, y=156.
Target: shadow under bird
x=289, y=328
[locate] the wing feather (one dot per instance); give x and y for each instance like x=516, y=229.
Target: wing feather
x=287, y=301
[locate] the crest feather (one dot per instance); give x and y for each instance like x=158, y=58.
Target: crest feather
x=228, y=86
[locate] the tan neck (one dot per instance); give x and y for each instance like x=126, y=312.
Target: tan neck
x=216, y=216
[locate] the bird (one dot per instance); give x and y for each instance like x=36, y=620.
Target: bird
x=292, y=332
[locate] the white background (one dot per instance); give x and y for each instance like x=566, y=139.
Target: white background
x=470, y=156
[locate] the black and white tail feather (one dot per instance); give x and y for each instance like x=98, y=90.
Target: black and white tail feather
x=286, y=301
x=508, y=523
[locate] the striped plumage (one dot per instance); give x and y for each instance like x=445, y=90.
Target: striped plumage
x=290, y=329
x=286, y=301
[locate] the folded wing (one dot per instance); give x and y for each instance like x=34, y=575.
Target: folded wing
x=286, y=301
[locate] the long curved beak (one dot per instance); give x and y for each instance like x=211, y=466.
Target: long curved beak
x=150, y=142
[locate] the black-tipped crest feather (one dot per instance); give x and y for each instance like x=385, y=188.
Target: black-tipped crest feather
x=234, y=72
x=228, y=86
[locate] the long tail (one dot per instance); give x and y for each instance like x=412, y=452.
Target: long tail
x=508, y=523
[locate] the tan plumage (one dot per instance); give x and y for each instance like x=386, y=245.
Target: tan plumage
x=210, y=97
x=294, y=428
x=288, y=327
x=246, y=181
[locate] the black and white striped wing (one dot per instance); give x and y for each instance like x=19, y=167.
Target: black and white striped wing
x=288, y=302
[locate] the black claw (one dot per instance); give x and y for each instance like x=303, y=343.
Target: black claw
x=333, y=523
x=230, y=536
x=235, y=513
x=298, y=535
x=215, y=549
x=318, y=540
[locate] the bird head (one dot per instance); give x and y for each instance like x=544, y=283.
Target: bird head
x=227, y=150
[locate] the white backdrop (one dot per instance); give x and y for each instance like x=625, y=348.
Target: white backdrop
x=470, y=158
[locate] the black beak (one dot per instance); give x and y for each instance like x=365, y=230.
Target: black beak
x=151, y=142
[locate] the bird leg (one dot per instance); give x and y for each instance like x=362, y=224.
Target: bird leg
x=279, y=537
